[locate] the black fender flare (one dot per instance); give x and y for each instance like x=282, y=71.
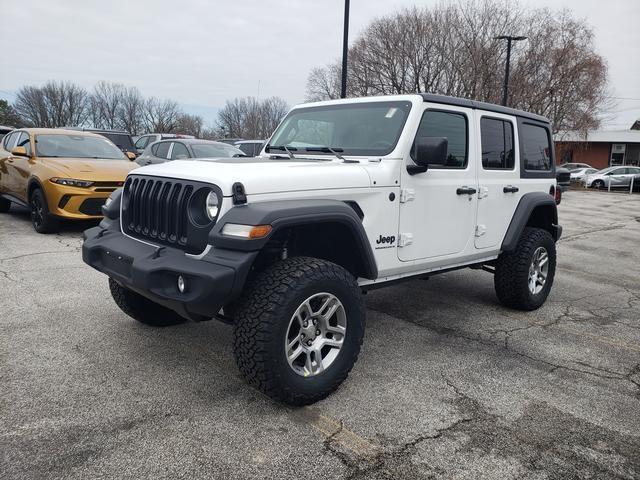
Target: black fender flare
x=528, y=203
x=287, y=213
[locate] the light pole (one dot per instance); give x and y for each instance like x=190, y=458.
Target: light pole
x=345, y=50
x=509, y=39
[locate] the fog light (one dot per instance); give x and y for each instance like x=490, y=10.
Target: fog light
x=182, y=286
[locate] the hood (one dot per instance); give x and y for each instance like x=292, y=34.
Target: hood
x=263, y=175
x=90, y=169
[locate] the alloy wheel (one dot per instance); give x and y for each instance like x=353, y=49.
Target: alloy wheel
x=315, y=334
x=538, y=270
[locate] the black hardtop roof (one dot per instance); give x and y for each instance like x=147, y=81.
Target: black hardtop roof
x=490, y=107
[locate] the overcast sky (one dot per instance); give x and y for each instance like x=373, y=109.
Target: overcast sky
x=202, y=52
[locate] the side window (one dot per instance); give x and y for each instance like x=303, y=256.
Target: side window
x=142, y=142
x=536, y=147
x=23, y=141
x=452, y=126
x=496, y=137
x=161, y=149
x=9, y=140
x=179, y=151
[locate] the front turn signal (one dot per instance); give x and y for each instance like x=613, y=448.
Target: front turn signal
x=250, y=232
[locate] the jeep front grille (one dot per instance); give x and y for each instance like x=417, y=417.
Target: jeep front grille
x=157, y=209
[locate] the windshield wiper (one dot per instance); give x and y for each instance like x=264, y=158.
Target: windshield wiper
x=331, y=150
x=282, y=147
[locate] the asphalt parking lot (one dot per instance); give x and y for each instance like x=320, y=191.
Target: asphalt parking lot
x=449, y=383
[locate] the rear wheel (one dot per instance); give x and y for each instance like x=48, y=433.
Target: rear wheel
x=42, y=220
x=523, y=278
x=298, y=329
x=5, y=205
x=142, y=309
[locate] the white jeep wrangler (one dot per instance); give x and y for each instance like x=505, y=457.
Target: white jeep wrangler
x=347, y=195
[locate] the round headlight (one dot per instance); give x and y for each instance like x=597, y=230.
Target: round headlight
x=212, y=205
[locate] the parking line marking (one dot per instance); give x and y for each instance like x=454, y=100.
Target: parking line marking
x=348, y=439
x=601, y=339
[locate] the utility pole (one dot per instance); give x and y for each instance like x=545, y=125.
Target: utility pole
x=345, y=50
x=509, y=39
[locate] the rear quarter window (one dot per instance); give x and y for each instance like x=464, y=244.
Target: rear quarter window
x=536, y=147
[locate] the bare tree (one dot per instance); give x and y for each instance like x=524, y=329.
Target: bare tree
x=106, y=102
x=451, y=49
x=129, y=113
x=249, y=117
x=56, y=104
x=190, y=125
x=160, y=116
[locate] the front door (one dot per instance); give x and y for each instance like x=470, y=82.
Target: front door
x=438, y=207
x=498, y=178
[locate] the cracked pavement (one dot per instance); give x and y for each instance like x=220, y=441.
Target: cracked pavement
x=449, y=383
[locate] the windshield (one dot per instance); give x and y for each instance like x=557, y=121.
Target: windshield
x=371, y=128
x=204, y=150
x=76, y=146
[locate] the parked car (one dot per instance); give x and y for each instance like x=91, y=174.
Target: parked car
x=143, y=141
x=182, y=149
x=251, y=148
x=636, y=182
x=580, y=174
x=618, y=176
x=4, y=130
x=574, y=166
x=121, y=138
x=59, y=174
x=359, y=193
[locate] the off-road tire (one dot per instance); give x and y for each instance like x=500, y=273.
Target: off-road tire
x=512, y=271
x=41, y=218
x=142, y=309
x=262, y=319
x=5, y=205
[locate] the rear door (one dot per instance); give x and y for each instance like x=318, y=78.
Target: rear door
x=438, y=207
x=498, y=177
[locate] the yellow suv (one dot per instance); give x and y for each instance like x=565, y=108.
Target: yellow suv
x=59, y=174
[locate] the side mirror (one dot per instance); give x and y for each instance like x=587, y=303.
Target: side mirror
x=428, y=151
x=131, y=156
x=19, y=152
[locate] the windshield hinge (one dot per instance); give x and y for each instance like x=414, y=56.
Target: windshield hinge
x=405, y=239
x=407, y=195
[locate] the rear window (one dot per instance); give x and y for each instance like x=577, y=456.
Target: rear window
x=536, y=147
x=121, y=140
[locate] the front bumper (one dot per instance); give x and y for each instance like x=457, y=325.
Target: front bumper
x=212, y=281
x=74, y=202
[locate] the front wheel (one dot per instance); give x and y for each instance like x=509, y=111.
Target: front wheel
x=5, y=205
x=599, y=184
x=298, y=329
x=523, y=278
x=42, y=220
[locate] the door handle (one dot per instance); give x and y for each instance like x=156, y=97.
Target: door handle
x=466, y=191
x=510, y=189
